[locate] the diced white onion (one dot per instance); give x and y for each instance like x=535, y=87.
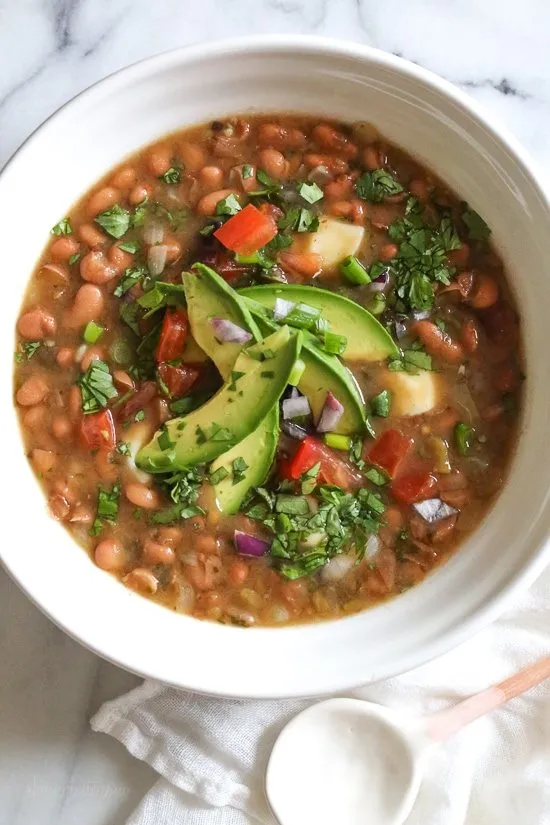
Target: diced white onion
x=336, y=568
x=282, y=308
x=320, y=175
x=79, y=354
x=227, y=332
x=433, y=509
x=156, y=259
x=294, y=407
x=372, y=547
x=153, y=233
x=400, y=330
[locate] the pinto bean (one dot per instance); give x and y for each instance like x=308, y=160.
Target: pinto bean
x=192, y=155
x=140, y=193
x=63, y=248
x=155, y=552
x=388, y=251
x=36, y=324
x=444, y=529
x=304, y=264
x=207, y=204
x=329, y=138
x=142, y=496
x=205, y=543
x=485, y=292
x=340, y=188
x=81, y=514
x=123, y=381
x=459, y=257
x=87, y=306
x=35, y=418
x=92, y=354
x=419, y=190
x=110, y=555
x=274, y=163
x=107, y=469
x=119, y=258
x=173, y=248
x=336, y=165
x=62, y=427
x=142, y=580
x=59, y=507
x=43, y=461
x=92, y=235
x=373, y=158
x=437, y=342
x=102, y=200
x=65, y=356
x=272, y=134
x=469, y=336
x=238, y=572
x=32, y=391
x=211, y=177
x=159, y=160
x=96, y=268
x=74, y=403
x=124, y=178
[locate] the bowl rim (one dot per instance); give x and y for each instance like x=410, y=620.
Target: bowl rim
x=317, y=45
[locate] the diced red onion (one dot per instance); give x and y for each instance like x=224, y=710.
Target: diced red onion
x=433, y=509
x=420, y=314
x=372, y=547
x=248, y=545
x=293, y=430
x=380, y=284
x=320, y=175
x=282, y=308
x=156, y=259
x=228, y=332
x=153, y=233
x=331, y=414
x=337, y=567
x=295, y=407
x=400, y=330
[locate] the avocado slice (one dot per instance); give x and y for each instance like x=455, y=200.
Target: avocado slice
x=323, y=372
x=209, y=296
x=236, y=410
x=367, y=340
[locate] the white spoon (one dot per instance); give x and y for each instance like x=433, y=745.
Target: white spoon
x=350, y=762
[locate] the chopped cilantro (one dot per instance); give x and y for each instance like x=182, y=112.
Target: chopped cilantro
x=377, y=185
x=74, y=258
x=131, y=277
x=309, y=479
x=235, y=375
x=123, y=448
x=63, y=227
x=380, y=404
x=107, y=508
x=129, y=246
x=476, y=226
x=269, y=186
x=96, y=387
x=310, y=192
x=299, y=219
x=238, y=469
x=218, y=475
x=464, y=436
x=164, y=441
x=26, y=350
x=115, y=221
x=376, y=476
x=139, y=416
x=228, y=206
x=172, y=175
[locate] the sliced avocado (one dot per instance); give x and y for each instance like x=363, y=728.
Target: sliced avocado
x=236, y=410
x=258, y=451
x=367, y=340
x=208, y=296
x=323, y=372
x=193, y=354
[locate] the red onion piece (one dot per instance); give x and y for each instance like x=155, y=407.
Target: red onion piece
x=156, y=259
x=282, y=308
x=228, y=332
x=293, y=430
x=381, y=283
x=433, y=509
x=294, y=407
x=331, y=414
x=248, y=545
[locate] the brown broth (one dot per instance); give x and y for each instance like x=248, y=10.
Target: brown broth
x=192, y=565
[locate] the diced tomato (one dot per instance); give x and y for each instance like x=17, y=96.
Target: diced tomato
x=389, y=450
x=413, y=487
x=97, y=431
x=247, y=231
x=142, y=396
x=334, y=470
x=173, y=335
x=179, y=380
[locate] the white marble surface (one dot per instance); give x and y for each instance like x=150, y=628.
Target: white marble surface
x=53, y=770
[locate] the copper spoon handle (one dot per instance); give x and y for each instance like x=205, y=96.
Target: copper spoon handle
x=445, y=723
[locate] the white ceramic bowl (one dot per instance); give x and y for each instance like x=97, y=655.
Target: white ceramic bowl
x=439, y=125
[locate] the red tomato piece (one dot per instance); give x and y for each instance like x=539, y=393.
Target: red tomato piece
x=389, y=450
x=334, y=470
x=97, y=431
x=247, y=231
x=173, y=335
x=413, y=487
x=179, y=380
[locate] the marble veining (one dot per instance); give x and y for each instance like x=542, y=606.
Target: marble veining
x=53, y=770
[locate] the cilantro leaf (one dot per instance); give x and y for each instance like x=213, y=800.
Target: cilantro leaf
x=172, y=175
x=115, y=221
x=63, y=227
x=97, y=388
x=477, y=228
x=377, y=185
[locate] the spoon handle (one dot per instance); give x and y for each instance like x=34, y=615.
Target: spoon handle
x=445, y=723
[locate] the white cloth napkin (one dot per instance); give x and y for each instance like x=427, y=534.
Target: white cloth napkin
x=211, y=754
